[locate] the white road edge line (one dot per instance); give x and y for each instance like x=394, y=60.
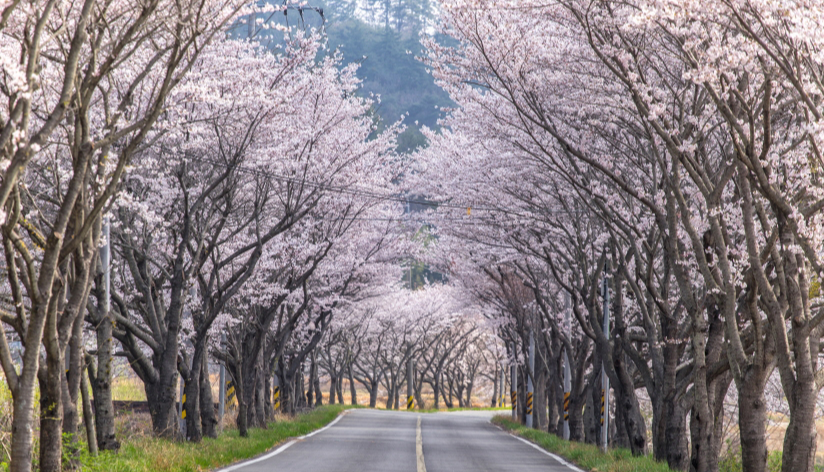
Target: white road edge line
x=282, y=448
x=556, y=457
x=419, y=447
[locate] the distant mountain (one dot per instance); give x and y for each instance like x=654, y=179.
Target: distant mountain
x=383, y=36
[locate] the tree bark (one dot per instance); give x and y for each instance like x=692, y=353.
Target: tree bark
x=353, y=394
x=208, y=417
x=192, y=387
x=51, y=413
x=88, y=415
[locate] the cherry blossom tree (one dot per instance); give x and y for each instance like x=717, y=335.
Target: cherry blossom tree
x=84, y=90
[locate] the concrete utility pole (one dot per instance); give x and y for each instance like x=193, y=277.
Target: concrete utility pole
x=106, y=258
x=221, y=402
x=604, y=378
x=503, y=386
x=513, y=385
x=567, y=371
x=410, y=385
x=530, y=388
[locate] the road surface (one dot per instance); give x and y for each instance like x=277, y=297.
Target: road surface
x=387, y=441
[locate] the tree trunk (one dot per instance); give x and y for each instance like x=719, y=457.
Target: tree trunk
x=676, y=447
x=752, y=421
x=540, y=393
x=300, y=388
x=242, y=419
x=333, y=385
x=88, y=415
x=353, y=394
x=268, y=394
x=51, y=412
x=191, y=390
x=634, y=426
x=71, y=391
x=592, y=424
x=310, y=394
x=469, y=388
x=577, y=403
x=318, y=391
x=208, y=417
x=260, y=400
x=390, y=398
x=161, y=396
x=701, y=421
x=100, y=375
x=373, y=393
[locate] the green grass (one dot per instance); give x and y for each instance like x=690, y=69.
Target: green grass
x=732, y=463
x=585, y=456
x=128, y=389
x=5, y=422
x=147, y=454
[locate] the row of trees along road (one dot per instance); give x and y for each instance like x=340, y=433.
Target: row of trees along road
x=239, y=185
x=673, y=148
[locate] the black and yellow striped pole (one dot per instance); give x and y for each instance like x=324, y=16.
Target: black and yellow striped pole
x=530, y=388
x=529, y=408
x=276, y=393
x=182, y=411
x=410, y=384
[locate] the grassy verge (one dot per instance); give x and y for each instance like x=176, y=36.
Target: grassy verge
x=585, y=456
x=147, y=454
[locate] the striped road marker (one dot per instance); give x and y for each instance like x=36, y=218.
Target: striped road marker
x=566, y=406
x=410, y=402
x=529, y=403
x=276, y=396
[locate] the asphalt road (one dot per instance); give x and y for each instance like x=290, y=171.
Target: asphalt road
x=386, y=441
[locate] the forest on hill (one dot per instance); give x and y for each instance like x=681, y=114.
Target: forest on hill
x=383, y=37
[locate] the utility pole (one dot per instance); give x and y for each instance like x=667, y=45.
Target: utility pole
x=503, y=386
x=410, y=384
x=567, y=370
x=604, y=378
x=513, y=384
x=107, y=264
x=530, y=388
x=221, y=405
